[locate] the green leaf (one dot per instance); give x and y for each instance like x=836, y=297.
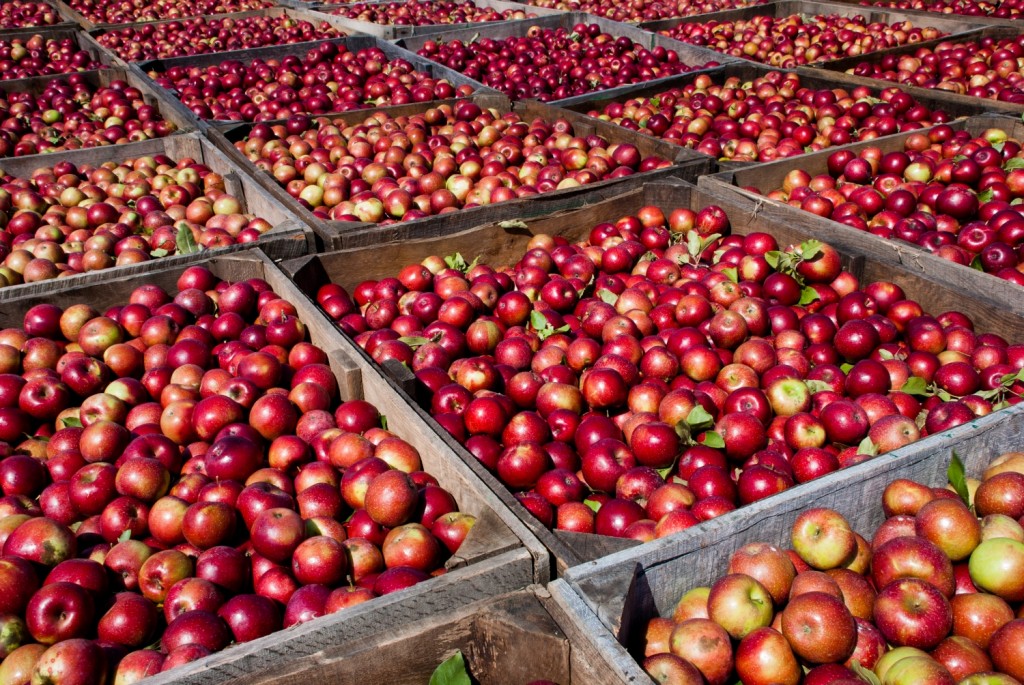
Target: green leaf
x=72, y=422
x=886, y=354
x=513, y=223
x=383, y=421
x=846, y=367
x=665, y=472
x=958, y=478
x=731, y=273
x=986, y=195
x=414, y=341
x=809, y=249
x=816, y=386
x=699, y=419
x=915, y=386
x=945, y=396
x=867, y=675
x=538, y=320
x=607, y=296
x=1015, y=163
x=185, y=241
x=159, y=253
x=867, y=447
x=125, y=535
x=808, y=295
x=773, y=258
x=452, y=671
x=455, y=261
x=713, y=440
x=998, y=147
x=693, y=244
x=593, y=504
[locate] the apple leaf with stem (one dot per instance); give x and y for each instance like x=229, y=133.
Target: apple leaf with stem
x=543, y=327
x=457, y=262
x=452, y=671
x=1014, y=164
x=808, y=295
x=958, y=478
x=125, y=536
x=185, y=241
x=695, y=247
x=414, y=341
x=731, y=273
x=915, y=385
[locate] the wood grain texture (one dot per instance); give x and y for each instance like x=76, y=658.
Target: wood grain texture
x=626, y=589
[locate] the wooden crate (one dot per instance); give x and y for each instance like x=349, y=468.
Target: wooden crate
x=298, y=14
x=74, y=15
x=747, y=71
x=837, y=69
x=288, y=238
x=624, y=591
x=98, y=79
x=65, y=23
x=983, y=20
x=514, y=638
x=983, y=288
x=63, y=31
x=498, y=246
x=335, y=235
x=394, y=32
x=784, y=8
x=688, y=54
x=499, y=555
x=354, y=43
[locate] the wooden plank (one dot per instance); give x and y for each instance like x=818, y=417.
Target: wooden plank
x=499, y=245
x=986, y=20
x=628, y=589
x=61, y=32
x=287, y=238
x=997, y=304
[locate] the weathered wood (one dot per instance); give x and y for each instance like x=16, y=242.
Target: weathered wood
x=61, y=32
x=996, y=304
x=287, y=238
x=334, y=235
x=499, y=245
x=627, y=589
x=498, y=558
x=65, y=23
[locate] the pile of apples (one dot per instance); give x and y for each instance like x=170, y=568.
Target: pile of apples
x=18, y=14
x=770, y=117
x=180, y=471
x=428, y=13
x=644, y=10
x=70, y=113
x=557, y=63
x=450, y=157
x=662, y=372
x=67, y=220
x=119, y=12
x=329, y=78
x=1002, y=9
x=987, y=68
x=203, y=35
x=948, y=192
x=795, y=40
x=26, y=57
x=934, y=597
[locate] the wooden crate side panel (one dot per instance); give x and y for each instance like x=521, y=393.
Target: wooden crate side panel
x=629, y=588
x=244, y=663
